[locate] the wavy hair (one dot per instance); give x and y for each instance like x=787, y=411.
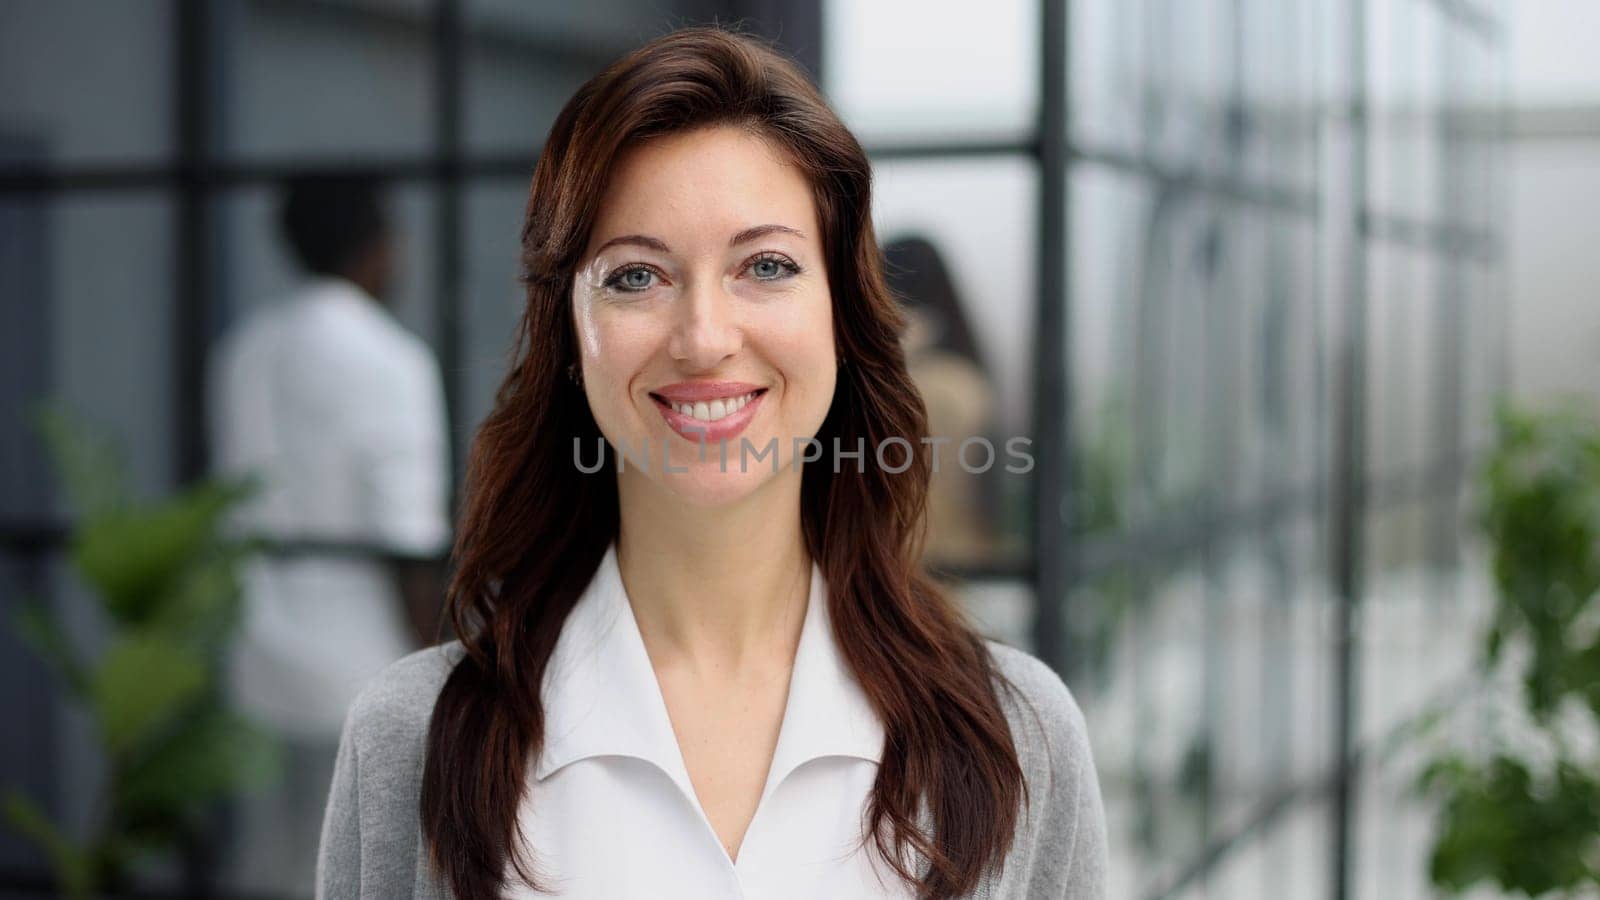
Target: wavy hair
x=532, y=530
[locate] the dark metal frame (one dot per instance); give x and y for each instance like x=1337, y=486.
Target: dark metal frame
x=1060, y=559
x=1348, y=490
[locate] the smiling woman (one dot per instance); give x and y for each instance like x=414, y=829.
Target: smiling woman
x=729, y=331
x=686, y=679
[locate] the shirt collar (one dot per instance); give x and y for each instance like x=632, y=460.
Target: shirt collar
x=601, y=696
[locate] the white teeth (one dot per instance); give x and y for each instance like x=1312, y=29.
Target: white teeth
x=713, y=410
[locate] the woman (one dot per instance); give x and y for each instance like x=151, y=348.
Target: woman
x=944, y=363
x=707, y=665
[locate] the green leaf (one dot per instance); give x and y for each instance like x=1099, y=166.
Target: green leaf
x=1533, y=829
x=89, y=467
x=73, y=865
x=144, y=682
x=1493, y=643
x=217, y=754
x=1583, y=677
x=134, y=557
x=201, y=608
x=38, y=629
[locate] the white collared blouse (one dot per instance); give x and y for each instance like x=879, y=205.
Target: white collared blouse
x=609, y=809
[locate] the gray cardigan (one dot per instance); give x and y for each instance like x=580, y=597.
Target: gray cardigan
x=372, y=844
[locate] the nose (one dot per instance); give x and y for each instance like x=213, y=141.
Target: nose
x=705, y=330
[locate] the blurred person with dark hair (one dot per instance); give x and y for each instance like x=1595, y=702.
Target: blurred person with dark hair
x=338, y=410
x=943, y=360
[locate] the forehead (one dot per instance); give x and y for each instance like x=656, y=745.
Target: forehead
x=703, y=186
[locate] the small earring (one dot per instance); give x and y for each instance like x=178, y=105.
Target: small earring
x=575, y=374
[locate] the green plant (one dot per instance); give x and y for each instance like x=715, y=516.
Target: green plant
x=1527, y=817
x=166, y=579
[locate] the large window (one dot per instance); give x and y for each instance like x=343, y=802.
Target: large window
x=1261, y=350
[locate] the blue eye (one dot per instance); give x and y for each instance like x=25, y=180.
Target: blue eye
x=636, y=279
x=630, y=279
x=773, y=268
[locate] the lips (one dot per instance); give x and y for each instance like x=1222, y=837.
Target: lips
x=708, y=411
x=694, y=391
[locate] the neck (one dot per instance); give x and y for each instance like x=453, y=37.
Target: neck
x=715, y=589
x=363, y=280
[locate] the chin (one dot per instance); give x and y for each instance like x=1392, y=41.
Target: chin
x=708, y=485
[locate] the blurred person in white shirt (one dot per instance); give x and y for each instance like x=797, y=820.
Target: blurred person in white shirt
x=338, y=411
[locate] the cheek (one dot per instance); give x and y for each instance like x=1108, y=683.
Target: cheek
x=615, y=348
x=610, y=333
x=803, y=351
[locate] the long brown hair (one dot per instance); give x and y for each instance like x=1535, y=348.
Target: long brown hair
x=533, y=528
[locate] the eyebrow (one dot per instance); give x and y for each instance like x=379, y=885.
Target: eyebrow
x=743, y=237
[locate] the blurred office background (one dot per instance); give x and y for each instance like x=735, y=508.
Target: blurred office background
x=1251, y=274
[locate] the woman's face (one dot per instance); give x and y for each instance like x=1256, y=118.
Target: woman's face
x=704, y=319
